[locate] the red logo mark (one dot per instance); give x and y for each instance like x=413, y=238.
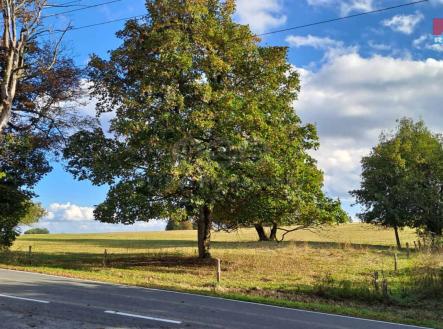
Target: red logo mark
x=438, y=26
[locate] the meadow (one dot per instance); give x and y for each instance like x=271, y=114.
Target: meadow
x=329, y=270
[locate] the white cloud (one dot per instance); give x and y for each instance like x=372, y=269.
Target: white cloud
x=379, y=46
x=313, y=41
x=404, y=23
x=417, y=43
x=438, y=47
x=69, y=212
x=353, y=99
x=320, y=2
x=345, y=7
x=427, y=42
x=87, y=107
x=261, y=15
x=72, y=218
x=356, y=6
x=331, y=47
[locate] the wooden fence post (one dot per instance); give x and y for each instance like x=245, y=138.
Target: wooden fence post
x=218, y=270
x=105, y=258
x=408, y=251
x=376, y=286
x=395, y=263
x=385, y=287
x=415, y=246
x=419, y=244
x=30, y=255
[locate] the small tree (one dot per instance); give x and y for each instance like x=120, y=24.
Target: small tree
x=285, y=195
x=33, y=215
x=426, y=179
x=402, y=180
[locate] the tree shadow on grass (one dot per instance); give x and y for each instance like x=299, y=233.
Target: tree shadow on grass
x=155, y=244
x=95, y=262
x=154, y=253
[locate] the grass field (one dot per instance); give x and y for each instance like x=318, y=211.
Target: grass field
x=330, y=270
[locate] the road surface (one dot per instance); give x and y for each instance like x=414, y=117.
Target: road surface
x=29, y=300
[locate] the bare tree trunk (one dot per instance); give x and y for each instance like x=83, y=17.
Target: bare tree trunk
x=21, y=20
x=397, y=237
x=204, y=232
x=273, y=235
x=5, y=114
x=261, y=232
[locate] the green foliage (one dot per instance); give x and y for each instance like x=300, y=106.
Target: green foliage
x=204, y=118
x=37, y=231
x=22, y=163
x=11, y=209
x=402, y=180
x=173, y=225
x=22, y=166
x=34, y=213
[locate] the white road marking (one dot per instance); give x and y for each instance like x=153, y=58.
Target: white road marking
x=143, y=317
x=213, y=297
x=26, y=299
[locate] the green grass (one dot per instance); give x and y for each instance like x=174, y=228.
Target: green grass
x=330, y=270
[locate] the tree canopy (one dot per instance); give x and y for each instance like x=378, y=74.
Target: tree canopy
x=203, y=117
x=402, y=180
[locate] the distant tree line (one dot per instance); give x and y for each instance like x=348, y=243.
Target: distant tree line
x=37, y=231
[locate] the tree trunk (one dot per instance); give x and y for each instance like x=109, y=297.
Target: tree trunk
x=273, y=235
x=397, y=237
x=204, y=232
x=261, y=232
x=5, y=114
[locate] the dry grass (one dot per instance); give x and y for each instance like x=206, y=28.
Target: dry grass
x=330, y=270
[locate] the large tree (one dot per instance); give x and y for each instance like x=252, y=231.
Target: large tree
x=198, y=106
x=402, y=180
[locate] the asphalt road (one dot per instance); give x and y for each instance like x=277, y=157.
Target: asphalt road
x=29, y=300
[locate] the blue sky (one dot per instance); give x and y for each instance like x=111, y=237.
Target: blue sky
x=358, y=77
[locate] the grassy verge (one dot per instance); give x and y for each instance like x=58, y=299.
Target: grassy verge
x=330, y=271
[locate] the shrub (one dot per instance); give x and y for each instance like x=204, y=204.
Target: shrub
x=174, y=225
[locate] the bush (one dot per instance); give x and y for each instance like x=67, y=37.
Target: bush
x=184, y=226
x=37, y=231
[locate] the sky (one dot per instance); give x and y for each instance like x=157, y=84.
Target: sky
x=358, y=77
